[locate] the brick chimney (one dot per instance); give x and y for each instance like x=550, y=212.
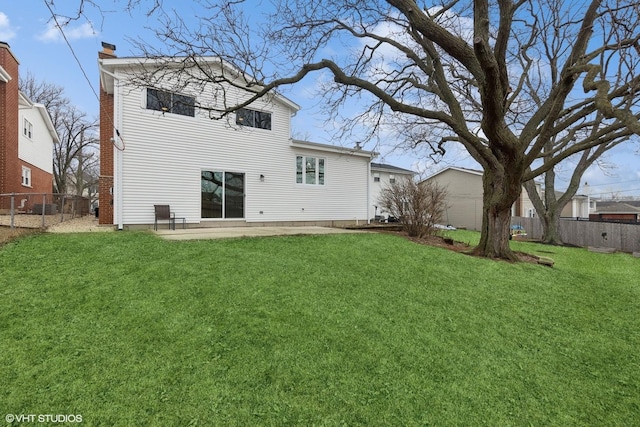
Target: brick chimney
x=10, y=170
x=107, y=132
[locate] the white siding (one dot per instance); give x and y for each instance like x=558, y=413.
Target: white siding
x=464, y=198
x=165, y=153
x=37, y=150
x=377, y=187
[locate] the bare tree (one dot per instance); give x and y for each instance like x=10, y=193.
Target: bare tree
x=419, y=207
x=589, y=125
x=78, y=140
x=77, y=133
x=85, y=174
x=456, y=71
x=550, y=204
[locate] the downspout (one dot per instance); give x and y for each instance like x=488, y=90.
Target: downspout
x=369, y=178
x=368, y=189
x=118, y=158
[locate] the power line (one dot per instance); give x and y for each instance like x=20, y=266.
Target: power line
x=610, y=183
x=84, y=73
x=64, y=36
x=615, y=191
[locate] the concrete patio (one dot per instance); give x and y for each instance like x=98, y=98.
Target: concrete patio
x=235, y=232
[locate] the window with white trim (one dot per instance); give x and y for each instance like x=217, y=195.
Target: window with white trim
x=253, y=118
x=376, y=177
x=392, y=179
x=26, y=176
x=310, y=170
x=169, y=102
x=27, y=129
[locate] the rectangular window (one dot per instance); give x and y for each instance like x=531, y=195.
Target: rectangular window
x=169, y=102
x=299, y=170
x=27, y=129
x=253, y=118
x=320, y=171
x=310, y=170
x=376, y=177
x=392, y=179
x=222, y=194
x=26, y=177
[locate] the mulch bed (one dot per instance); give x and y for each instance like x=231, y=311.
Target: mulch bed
x=7, y=234
x=452, y=245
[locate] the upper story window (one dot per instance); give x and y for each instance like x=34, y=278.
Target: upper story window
x=392, y=179
x=309, y=170
x=376, y=177
x=27, y=129
x=169, y=102
x=253, y=118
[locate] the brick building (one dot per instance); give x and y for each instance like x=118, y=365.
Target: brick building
x=27, y=136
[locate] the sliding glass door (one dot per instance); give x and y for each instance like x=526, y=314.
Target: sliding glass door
x=222, y=194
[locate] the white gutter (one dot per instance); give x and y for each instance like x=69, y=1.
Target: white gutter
x=4, y=75
x=332, y=149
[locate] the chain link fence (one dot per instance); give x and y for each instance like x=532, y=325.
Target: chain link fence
x=40, y=210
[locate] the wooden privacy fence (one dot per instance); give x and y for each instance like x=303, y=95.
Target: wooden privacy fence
x=623, y=237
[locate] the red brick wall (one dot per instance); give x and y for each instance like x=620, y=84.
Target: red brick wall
x=105, y=183
x=10, y=168
x=618, y=217
x=613, y=217
x=41, y=181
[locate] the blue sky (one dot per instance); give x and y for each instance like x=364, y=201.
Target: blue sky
x=26, y=25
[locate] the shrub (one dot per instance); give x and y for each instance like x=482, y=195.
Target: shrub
x=419, y=207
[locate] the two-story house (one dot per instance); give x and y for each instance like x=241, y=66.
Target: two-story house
x=382, y=176
x=159, y=145
x=27, y=136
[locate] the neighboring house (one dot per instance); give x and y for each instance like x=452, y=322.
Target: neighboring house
x=616, y=212
x=383, y=175
x=464, y=197
x=158, y=147
x=27, y=136
x=578, y=207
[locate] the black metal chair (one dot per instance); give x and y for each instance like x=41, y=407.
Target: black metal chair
x=163, y=213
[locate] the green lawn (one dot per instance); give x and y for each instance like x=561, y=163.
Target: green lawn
x=127, y=329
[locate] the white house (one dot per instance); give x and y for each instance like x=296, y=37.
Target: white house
x=35, y=144
x=383, y=175
x=160, y=146
x=578, y=207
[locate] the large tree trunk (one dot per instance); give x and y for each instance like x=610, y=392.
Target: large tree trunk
x=501, y=190
x=548, y=210
x=551, y=227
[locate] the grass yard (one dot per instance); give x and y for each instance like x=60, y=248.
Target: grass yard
x=368, y=329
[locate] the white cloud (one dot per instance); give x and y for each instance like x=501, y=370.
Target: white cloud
x=6, y=31
x=82, y=31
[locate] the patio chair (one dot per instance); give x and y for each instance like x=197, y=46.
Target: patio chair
x=163, y=213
